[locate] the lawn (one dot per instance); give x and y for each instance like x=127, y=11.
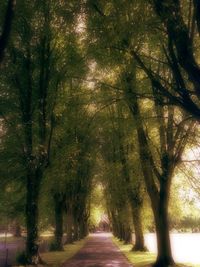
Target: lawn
x=142, y=259
x=55, y=259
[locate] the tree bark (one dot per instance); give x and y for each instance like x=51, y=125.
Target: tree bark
x=76, y=231
x=58, y=211
x=170, y=13
x=83, y=229
x=127, y=235
x=164, y=257
x=134, y=195
x=158, y=203
x=159, y=199
x=139, y=237
x=6, y=28
x=69, y=221
x=17, y=229
x=32, y=246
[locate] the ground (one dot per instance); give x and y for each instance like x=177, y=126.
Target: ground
x=99, y=251
x=57, y=258
x=142, y=259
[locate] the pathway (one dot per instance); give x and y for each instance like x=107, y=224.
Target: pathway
x=99, y=251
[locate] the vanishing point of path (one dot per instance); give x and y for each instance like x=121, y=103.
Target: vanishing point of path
x=99, y=251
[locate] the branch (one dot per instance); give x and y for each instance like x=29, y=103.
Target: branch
x=6, y=28
x=100, y=12
x=183, y=102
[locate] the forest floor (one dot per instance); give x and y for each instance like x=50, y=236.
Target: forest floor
x=99, y=251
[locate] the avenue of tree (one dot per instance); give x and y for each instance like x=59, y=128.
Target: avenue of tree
x=98, y=96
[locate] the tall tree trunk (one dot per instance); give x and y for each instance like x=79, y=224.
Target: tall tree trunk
x=127, y=235
x=158, y=204
x=69, y=220
x=135, y=199
x=121, y=231
x=76, y=230
x=17, y=229
x=159, y=200
x=114, y=224
x=32, y=246
x=83, y=229
x=164, y=257
x=137, y=223
x=58, y=211
x=6, y=28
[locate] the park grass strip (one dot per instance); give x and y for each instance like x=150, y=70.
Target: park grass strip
x=141, y=259
x=57, y=258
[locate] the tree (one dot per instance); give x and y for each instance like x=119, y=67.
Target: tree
x=179, y=31
x=158, y=178
x=158, y=170
x=71, y=162
x=31, y=88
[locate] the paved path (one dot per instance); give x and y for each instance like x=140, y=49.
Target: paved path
x=99, y=251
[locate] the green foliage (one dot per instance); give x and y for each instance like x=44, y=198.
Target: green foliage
x=79, y=80
x=97, y=204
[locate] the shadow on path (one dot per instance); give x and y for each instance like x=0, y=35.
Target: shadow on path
x=99, y=251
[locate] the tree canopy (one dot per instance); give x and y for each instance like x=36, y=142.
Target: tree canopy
x=99, y=119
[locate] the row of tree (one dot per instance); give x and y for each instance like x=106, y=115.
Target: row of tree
x=46, y=144
x=150, y=50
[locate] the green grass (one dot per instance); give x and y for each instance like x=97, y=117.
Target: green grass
x=141, y=259
x=55, y=259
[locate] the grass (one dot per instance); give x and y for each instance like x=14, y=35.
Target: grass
x=56, y=258
x=141, y=259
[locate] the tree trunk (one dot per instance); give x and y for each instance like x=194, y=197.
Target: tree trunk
x=159, y=199
x=160, y=206
x=164, y=257
x=69, y=218
x=58, y=209
x=76, y=231
x=120, y=231
x=6, y=28
x=83, y=229
x=32, y=246
x=127, y=235
x=17, y=229
x=114, y=225
x=139, y=237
